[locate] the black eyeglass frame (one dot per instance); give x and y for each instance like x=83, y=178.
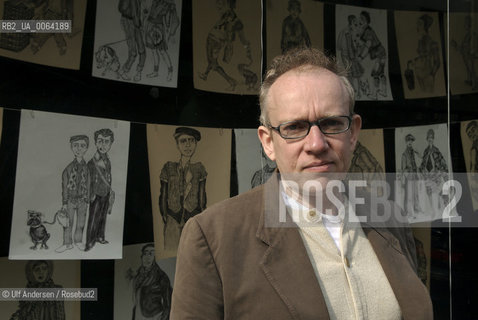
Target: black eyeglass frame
x=312, y=123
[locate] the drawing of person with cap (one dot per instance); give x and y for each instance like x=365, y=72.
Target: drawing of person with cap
x=183, y=187
x=409, y=177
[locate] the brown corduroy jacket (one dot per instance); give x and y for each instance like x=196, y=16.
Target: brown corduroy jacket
x=230, y=265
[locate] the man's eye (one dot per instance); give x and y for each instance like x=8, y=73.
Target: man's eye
x=295, y=126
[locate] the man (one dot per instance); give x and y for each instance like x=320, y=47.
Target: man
x=434, y=170
x=294, y=32
x=409, y=179
x=231, y=265
x=349, y=53
x=377, y=53
x=75, y=186
x=472, y=133
x=99, y=168
x=183, y=187
x=151, y=288
x=133, y=30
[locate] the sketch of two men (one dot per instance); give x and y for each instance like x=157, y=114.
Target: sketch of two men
x=87, y=185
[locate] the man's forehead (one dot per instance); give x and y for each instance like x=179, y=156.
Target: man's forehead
x=100, y=136
x=79, y=141
x=186, y=136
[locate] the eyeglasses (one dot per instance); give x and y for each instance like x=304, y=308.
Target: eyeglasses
x=300, y=128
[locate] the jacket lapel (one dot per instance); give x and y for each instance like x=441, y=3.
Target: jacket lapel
x=411, y=294
x=286, y=263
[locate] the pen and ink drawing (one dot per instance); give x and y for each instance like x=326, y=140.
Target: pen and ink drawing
x=293, y=23
x=38, y=233
x=265, y=172
x=228, y=50
x=463, y=52
x=428, y=61
x=469, y=138
x=142, y=284
x=39, y=274
x=81, y=193
x=182, y=161
x=102, y=195
x=368, y=159
x=183, y=187
x=419, y=48
x=294, y=32
x=162, y=23
x=146, y=39
x=221, y=38
x=151, y=288
x=75, y=193
x=348, y=48
x=422, y=173
x=36, y=47
x=361, y=46
x=253, y=167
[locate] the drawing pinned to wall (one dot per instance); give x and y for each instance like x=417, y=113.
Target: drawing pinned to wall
x=293, y=23
x=138, y=41
x=362, y=45
x=227, y=50
x=70, y=187
x=463, y=52
x=40, y=274
x=143, y=285
x=469, y=140
x=420, y=53
x=61, y=50
x=189, y=171
x=253, y=166
x=368, y=160
x=423, y=166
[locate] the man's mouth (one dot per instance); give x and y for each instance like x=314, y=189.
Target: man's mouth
x=320, y=166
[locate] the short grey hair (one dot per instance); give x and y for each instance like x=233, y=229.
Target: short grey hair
x=301, y=59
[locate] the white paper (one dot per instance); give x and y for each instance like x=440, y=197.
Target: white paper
x=151, y=57
x=253, y=166
x=44, y=151
x=367, y=52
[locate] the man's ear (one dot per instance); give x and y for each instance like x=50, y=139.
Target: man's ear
x=265, y=136
x=355, y=129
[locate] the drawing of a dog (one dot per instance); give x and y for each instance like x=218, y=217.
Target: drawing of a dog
x=38, y=232
x=107, y=59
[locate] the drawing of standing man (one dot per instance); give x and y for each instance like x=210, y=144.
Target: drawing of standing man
x=101, y=194
x=183, y=187
x=75, y=184
x=133, y=30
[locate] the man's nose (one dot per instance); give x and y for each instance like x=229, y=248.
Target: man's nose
x=316, y=141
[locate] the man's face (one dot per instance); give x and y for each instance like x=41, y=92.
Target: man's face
x=186, y=145
x=309, y=95
x=103, y=144
x=409, y=143
x=79, y=148
x=40, y=272
x=148, y=256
